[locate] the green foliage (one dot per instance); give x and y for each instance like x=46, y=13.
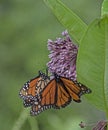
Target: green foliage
x=92, y=63
x=68, y=18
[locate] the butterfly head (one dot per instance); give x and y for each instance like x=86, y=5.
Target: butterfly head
x=56, y=76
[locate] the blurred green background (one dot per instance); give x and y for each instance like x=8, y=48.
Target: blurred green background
x=25, y=27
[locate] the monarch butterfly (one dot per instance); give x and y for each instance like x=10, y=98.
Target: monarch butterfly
x=33, y=88
x=58, y=93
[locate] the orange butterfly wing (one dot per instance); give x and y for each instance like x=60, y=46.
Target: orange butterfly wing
x=75, y=89
x=33, y=88
x=29, y=88
x=53, y=95
x=47, y=99
x=62, y=96
x=28, y=92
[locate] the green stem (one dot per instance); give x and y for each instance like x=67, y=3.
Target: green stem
x=20, y=121
x=33, y=123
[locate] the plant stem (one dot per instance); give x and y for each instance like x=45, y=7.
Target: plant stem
x=20, y=121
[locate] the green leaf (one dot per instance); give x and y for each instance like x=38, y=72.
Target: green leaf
x=105, y=7
x=92, y=62
x=68, y=18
